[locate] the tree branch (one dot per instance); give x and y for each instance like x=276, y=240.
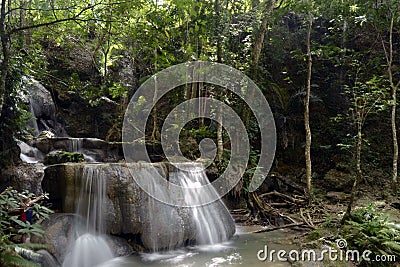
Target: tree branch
x=33, y=26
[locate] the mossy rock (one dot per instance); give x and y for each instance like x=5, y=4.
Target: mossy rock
x=63, y=157
x=338, y=181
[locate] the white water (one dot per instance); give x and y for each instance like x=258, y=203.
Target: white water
x=76, y=145
x=240, y=251
x=210, y=223
x=168, y=227
x=90, y=247
x=29, y=154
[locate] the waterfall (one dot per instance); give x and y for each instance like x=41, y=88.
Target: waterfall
x=30, y=154
x=90, y=248
x=211, y=220
x=76, y=144
x=167, y=226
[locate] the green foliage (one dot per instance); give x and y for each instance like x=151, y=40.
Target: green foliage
x=200, y=133
x=369, y=229
x=12, y=203
x=63, y=157
x=15, y=115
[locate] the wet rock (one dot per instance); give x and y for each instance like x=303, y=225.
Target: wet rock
x=46, y=259
x=96, y=149
x=25, y=176
x=337, y=196
x=82, y=119
x=56, y=157
x=128, y=209
x=119, y=246
x=42, y=108
x=58, y=232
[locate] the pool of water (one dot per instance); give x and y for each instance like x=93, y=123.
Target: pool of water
x=241, y=250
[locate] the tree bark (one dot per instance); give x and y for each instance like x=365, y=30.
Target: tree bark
x=258, y=43
x=358, y=176
x=307, y=151
x=394, y=106
x=260, y=34
x=220, y=141
x=155, y=134
x=5, y=63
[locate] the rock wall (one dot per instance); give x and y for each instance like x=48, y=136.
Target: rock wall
x=24, y=176
x=129, y=209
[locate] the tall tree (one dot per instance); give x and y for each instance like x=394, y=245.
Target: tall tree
x=307, y=151
x=394, y=87
x=265, y=8
x=367, y=98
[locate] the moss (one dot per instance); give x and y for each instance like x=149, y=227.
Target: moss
x=63, y=157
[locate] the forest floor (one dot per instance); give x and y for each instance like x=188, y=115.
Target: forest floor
x=320, y=224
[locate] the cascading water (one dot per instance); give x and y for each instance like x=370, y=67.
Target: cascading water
x=211, y=220
x=90, y=248
x=76, y=144
x=167, y=226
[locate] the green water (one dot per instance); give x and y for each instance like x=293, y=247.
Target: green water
x=240, y=251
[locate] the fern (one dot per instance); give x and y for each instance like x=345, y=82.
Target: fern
x=368, y=229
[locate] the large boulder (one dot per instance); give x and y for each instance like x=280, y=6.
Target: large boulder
x=25, y=176
x=42, y=108
x=60, y=232
x=338, y=181
x=94, y=148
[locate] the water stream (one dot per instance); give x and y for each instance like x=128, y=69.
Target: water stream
x=90, y=247
x=211, y=225
x=240, y=251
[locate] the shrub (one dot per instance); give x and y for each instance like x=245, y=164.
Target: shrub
x=20, y=214
x=369, y=229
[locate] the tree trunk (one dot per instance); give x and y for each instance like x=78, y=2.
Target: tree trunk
x=220, y=142
x=155, y=134
x=4, y=67
x=358, y=176
x=394, y=107
x=307, y=114
x=260, y=34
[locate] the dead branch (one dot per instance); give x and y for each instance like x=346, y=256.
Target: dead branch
x=275, y=193
x=287, y=226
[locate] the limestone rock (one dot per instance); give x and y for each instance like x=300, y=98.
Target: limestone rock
x=335, y=180
x=25, y=176
x=128, y=209
x=59, y=231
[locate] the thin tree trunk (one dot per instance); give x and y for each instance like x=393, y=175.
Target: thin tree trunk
x=155, y=133
x=220, y=141
x=358, y=149
x=358, y=176
x=258, y=43
x=4, y=67
x=307, y=114
x=394, y=107
x=260, y=34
